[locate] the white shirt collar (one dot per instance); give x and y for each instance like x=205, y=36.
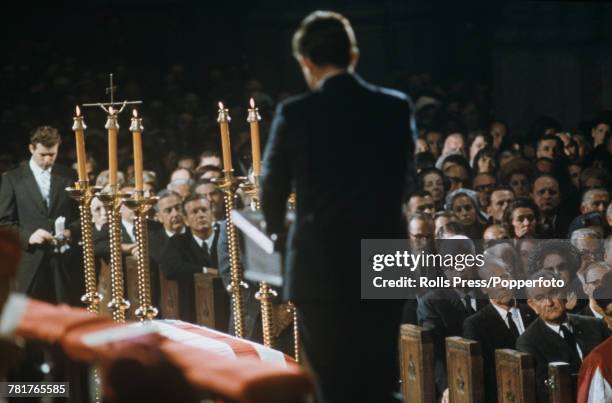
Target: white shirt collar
x=171, y=234
x=37, y=170
x=129, y=227
x=208, y=240
x=557, y=328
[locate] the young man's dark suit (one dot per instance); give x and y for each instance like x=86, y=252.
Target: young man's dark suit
x=181, y=258
x=442, y=312
x=546, y=346
x=489, y=329
x=331, y=144
x=41, y=273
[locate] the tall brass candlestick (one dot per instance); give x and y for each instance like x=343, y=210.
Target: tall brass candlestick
x=229, y=184
x=253, y=119
x=141, y=205
x=84, y=193
x=112, y=127
x=223, y=119
x=112, y=202
x=79, y=129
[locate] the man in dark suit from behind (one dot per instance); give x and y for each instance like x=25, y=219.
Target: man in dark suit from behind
x=32, y=197
x=191, y=252
x=497, y=325
x=556, y=335
x=317, y=140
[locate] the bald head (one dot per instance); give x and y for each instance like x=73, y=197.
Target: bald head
x=595, y=201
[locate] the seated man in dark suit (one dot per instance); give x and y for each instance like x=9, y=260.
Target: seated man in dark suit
x=498, y=324
x=169, y=213
x=191, y=252
x=556, y=335
x=443, y=310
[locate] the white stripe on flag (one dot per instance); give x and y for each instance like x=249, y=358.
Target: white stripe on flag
x=194, y=339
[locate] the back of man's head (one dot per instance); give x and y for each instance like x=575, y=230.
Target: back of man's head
x=326, y=38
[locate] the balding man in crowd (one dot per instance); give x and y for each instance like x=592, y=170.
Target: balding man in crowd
x=595, y=201
x=556, y=335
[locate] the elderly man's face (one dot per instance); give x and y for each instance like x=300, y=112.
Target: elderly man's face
x=495, y=233
x=591, y=249
x=597, y=202
x=464, y=209
x=592, y=279
x=420, y=233
x=98, y=212
x=548, y=303
x=454, y=142
x=492, y=268
x=500, y=199
x=546, y=194
x=170, y=213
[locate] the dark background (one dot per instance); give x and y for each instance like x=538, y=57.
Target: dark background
x=526, y=58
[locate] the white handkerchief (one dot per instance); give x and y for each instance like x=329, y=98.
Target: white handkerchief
x=60, y=226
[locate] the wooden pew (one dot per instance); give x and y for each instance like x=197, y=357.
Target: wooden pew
x=169, y=299
x=416, y=361
x=212, y=302
x=464, y=368
x=515, y=377
x=561, y=383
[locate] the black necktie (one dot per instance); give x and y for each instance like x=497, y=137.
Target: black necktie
x=569, y=338
x=468, y=304
x=513, y=329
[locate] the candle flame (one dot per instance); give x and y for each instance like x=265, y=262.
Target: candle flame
x=221, y=105
x=252, y=102
x=135, y=113
x=78, y=111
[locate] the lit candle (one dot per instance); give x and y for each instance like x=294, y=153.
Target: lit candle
x=79, y=133
x=112, y=127
x=253, y=119
x=223, y=118
x=136, y=129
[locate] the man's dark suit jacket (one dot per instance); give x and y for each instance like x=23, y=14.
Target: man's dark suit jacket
x=344, y=148
x=181, y=258
x=22, y=206
x=442, y=312
x=489, y=329
x=546, y=346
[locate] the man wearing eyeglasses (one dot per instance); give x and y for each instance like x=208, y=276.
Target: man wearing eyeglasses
x=556, y=335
